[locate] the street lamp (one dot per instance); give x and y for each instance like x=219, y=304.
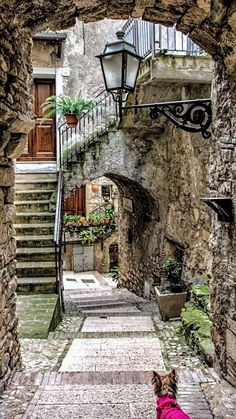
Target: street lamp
x=120, y=66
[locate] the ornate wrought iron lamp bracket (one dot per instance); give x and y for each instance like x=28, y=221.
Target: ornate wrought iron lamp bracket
x=188, y=115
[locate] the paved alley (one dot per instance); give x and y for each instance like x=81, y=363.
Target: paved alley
x=98, y=362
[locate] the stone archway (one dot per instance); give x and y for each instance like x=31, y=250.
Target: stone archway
x=211, y=24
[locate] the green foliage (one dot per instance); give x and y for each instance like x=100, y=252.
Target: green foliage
x=109, y=212
x=87, y=237
x=65, y=104
x=71, y=218
x=114, y=274
x=173, y=270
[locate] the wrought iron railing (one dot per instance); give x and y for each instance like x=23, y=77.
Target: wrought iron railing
x=91, y=126
x=58, y=231
x=150, y=38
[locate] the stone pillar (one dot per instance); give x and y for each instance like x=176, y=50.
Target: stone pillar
x=223, y=183
x=15, y=122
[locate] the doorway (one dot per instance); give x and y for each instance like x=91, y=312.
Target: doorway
x=42, y=139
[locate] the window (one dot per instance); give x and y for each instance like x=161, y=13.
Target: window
x=106, y=192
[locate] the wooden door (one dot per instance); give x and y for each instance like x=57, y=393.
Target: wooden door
x=42, y=139
x=75, y=204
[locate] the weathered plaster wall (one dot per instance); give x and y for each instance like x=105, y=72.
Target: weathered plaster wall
x=80, y=66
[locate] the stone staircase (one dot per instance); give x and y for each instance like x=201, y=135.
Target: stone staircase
x=36, y=269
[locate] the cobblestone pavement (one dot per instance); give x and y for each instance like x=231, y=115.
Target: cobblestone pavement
x=97, y=364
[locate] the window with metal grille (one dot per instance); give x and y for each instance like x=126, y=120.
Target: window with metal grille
x=106, y=192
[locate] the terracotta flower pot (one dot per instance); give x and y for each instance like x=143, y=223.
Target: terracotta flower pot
x=106, y=221
x=71, y=120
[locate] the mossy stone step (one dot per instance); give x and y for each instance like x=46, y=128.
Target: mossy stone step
x=44, y=229
x=35, y=254
x=35, y=241
x=34, y=217
x=40, y=205
x=33, y=269
x=36, y=285
x=36, y=176
x=201, y=295
x=42, y=184
x=38, y=315
x=45, y=194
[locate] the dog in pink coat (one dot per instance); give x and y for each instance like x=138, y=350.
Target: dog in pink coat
x=165, y=388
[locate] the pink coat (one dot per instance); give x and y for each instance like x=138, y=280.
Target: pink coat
x=167, y=408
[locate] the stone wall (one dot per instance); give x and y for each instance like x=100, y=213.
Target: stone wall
x=163, y=171
x=222, y=183
x=15, y=113
x=94, y=199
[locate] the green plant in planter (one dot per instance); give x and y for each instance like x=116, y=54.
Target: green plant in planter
x=66, y=105
x=87, y=237
x=114, y=274
x=68, y=218
x=109, y=212
x=173, y=270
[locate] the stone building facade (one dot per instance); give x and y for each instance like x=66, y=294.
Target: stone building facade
x=213, y=26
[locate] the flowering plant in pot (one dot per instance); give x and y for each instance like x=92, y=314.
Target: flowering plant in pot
x=172, y=297
x=72, y=108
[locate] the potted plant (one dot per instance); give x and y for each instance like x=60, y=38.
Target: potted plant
x=172, y=297
x=72, y=108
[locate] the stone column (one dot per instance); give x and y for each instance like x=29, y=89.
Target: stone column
x=223, y=183
x=15, y=122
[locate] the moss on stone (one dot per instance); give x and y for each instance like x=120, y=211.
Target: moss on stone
x=197, y=328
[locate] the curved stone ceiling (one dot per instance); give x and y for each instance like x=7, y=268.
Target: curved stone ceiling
x=210, y=23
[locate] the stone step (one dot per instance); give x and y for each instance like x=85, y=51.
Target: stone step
x=34, y=217
x=36, y=176
x=38, y=315
x=36, y=285
x=33, y=269
x=23, y=185
x=33, y=194
x=45, y=229
x=114, y=311
x=34, y=241
x=186, y=377
x=32, y=205
x=35, y=253
x=88, y=305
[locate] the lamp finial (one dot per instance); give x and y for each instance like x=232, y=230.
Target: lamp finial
x=120, y=33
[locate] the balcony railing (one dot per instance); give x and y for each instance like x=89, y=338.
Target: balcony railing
x=150, y=38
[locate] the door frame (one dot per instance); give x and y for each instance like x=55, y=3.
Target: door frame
x=56, y=75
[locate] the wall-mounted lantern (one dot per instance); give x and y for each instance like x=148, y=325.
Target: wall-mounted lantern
x=120, y=66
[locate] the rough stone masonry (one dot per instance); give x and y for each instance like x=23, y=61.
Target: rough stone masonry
x=211, y=24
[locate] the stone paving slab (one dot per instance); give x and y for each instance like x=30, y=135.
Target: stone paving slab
x=114, y=354
x=118, y=324
x=110, y=401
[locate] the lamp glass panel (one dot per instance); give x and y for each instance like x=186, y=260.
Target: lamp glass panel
x=112, y=68
x=131, y=71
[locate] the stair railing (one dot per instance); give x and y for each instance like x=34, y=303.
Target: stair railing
x=91, y=126
x=58, y=231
